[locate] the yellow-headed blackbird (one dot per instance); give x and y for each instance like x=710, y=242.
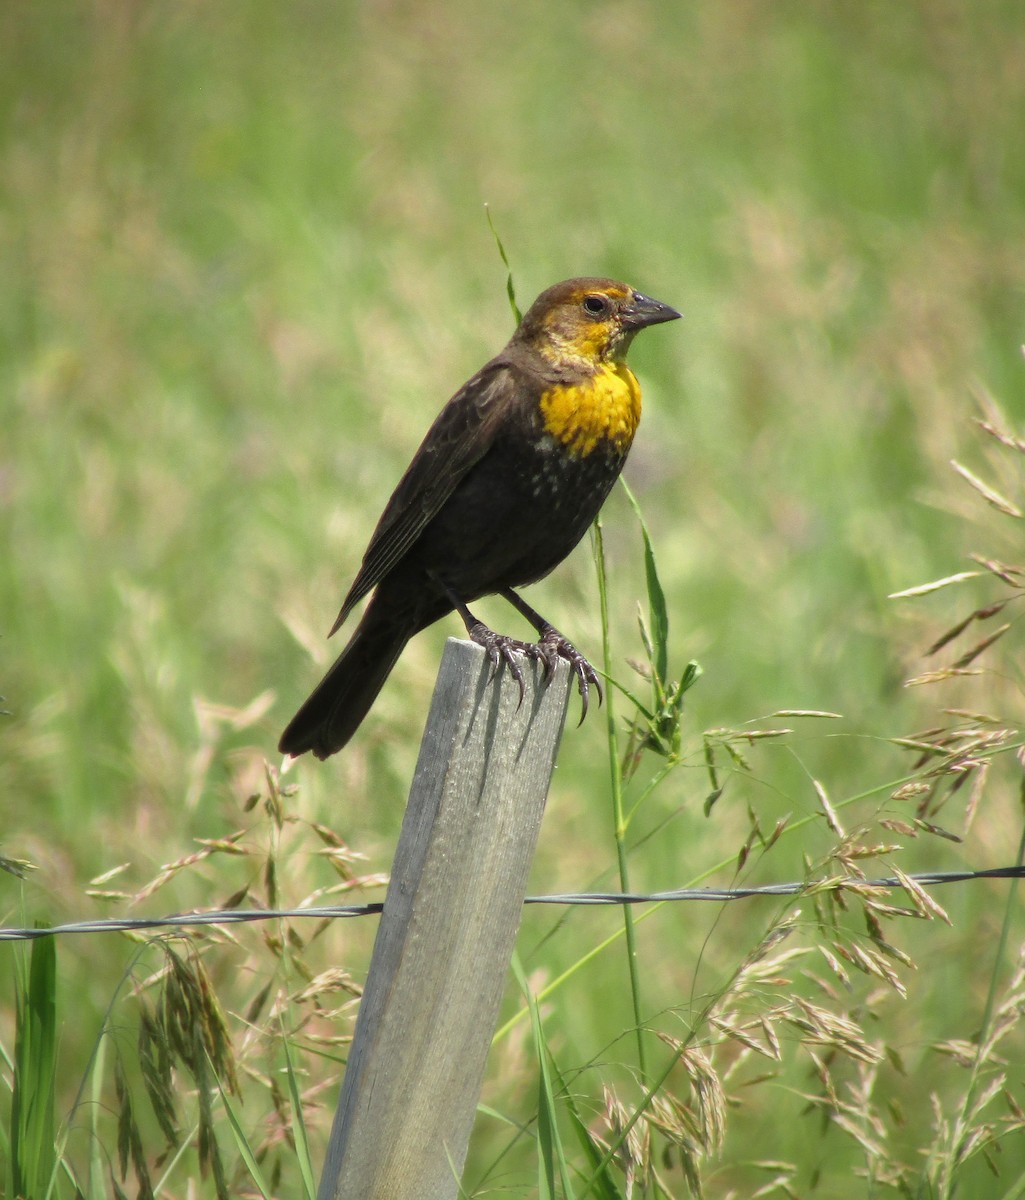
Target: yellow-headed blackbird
x=506, y=482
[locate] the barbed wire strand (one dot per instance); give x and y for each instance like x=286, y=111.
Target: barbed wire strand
x=238, y=916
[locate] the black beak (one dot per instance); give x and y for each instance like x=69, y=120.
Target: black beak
x=642, y=311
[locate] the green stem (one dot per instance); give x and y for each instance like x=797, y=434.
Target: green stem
x=618, y=816
x=960, y=1131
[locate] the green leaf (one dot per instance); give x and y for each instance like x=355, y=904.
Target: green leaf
x=302, y=1141
x=658, y=614
x=552, y=1159
x=510, y=287
x=33, y=1156
x=603, y=1185
x=242, y=1144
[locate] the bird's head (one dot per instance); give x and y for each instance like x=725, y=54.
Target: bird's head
x=588, y=322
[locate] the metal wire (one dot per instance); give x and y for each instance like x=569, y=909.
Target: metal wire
x=238, y=916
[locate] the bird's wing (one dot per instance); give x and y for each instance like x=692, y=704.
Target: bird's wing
x=460, y=436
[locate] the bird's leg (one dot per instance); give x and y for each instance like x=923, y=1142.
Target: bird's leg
x=554, y=645
x=499, y=646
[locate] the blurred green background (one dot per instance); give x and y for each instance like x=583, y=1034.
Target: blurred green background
x=245, y=260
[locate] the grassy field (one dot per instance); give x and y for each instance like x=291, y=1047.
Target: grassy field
x=245, y=260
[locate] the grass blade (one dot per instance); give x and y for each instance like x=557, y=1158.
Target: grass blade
x=603, y=1185
x=302, y=1141
x=510, y=287
x=657, y=609
x=552, y=1155
x=33, y=1156
x=242, y=1144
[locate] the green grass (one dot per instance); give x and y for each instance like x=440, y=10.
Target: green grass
x=245, y=261
x=32, y=1127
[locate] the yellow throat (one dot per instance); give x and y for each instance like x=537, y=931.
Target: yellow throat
x=604, y=407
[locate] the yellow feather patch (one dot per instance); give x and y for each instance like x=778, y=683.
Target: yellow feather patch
x=605, y=407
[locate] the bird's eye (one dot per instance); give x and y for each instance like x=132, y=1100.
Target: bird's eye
x=596, y=306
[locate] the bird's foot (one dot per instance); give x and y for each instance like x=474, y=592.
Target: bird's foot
x=501, y=648
x=554, y=646
x=547, y=650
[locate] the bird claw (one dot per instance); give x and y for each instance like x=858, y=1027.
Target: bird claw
x=503, y=649
x=548, y=650
x=555, y=646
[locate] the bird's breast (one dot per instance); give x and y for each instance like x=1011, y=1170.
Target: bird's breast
x=603, y=408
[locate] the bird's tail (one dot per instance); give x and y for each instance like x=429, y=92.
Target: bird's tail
x=341, y=700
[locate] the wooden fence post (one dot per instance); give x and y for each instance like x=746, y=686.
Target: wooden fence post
x=447, y=932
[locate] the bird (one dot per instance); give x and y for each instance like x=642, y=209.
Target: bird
x=506, y=482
